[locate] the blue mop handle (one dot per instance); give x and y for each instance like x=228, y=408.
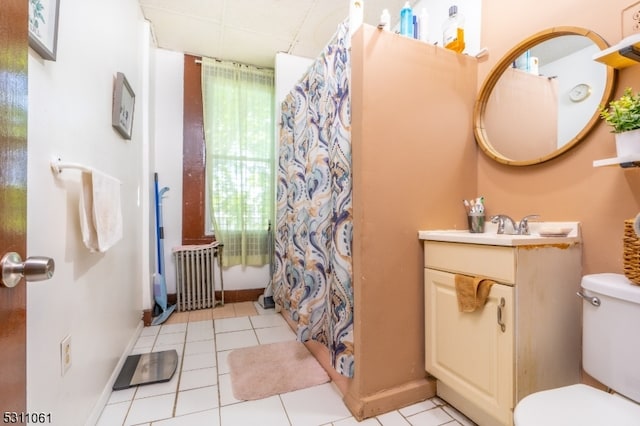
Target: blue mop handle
x=161, y=231
x=158, y=231
x=159, y=227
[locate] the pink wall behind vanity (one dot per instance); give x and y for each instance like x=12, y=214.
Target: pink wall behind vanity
x=568, y=187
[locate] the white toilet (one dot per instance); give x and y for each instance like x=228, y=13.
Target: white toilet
x=610, y=353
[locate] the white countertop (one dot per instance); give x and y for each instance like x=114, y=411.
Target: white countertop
x=490, y=237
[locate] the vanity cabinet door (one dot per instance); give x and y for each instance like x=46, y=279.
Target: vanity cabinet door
x=469, y=353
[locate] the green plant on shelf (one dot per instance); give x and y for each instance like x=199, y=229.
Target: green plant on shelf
x=623, y=114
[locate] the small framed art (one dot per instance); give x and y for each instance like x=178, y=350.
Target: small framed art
x=43, y=27
x=123, y=106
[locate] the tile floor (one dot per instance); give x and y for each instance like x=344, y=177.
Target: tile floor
x=200, y=391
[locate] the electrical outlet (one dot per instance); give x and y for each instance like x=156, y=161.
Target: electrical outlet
x=65, y=354
x=631, y=20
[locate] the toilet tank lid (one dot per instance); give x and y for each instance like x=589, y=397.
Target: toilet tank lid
x=612, y=285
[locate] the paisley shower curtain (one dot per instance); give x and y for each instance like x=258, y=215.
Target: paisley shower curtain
x=312, y=278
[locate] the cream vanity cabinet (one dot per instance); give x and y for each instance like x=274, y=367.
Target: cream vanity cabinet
x=527, y=336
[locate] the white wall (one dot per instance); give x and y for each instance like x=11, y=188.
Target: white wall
x=167, y=135
x=289, y=69
x=95, y=298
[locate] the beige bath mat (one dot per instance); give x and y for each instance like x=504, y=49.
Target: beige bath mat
x=261, y=371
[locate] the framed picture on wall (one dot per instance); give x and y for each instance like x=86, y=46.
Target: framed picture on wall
x=123, y=103
x=43, y=27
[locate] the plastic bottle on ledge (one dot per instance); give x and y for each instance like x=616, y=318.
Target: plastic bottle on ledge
x=453, y=31
x=423, y=25
x=385, y=20
x=406, y=20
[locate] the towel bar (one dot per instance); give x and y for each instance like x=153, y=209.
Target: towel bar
x=57, y=166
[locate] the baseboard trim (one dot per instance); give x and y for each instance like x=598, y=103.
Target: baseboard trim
x=103, y=399
x=147, y=317
x=230, y=296
x=391, y=399
x=237, y=296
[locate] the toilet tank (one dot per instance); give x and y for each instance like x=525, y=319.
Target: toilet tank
x=611, y=333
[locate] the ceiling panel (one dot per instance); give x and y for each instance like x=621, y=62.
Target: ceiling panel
x=198, y=9
x=247, y=48
x=237, y=30
x=322, y=22
x=203, y=38
x=281, y=17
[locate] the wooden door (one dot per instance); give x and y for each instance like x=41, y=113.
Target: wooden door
x=13, y=199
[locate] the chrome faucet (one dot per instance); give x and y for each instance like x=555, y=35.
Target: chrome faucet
x=500, y=219
x=523, y=225
x=519, y=228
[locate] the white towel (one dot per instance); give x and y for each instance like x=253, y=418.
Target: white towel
x=100, y=211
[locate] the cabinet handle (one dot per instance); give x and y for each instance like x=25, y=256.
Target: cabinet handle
x=503, y=326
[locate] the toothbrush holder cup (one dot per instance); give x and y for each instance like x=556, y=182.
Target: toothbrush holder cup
x=476, y=222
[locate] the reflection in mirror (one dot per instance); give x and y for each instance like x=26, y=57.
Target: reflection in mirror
x=543, y=97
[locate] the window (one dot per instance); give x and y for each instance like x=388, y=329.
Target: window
x=238, y=105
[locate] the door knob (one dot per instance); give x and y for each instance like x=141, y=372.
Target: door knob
x=36, y=268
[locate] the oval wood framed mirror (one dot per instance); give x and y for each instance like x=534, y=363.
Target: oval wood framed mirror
x=543, y=97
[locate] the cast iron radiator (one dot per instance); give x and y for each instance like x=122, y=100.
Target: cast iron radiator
x=196, y=276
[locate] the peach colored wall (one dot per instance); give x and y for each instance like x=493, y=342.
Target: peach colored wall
x=568, y=187
x=414, y=161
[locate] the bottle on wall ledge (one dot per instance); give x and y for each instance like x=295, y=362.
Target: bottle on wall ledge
x=406, y=20
x=453, y=31
x=385, y=20
x=423, y=26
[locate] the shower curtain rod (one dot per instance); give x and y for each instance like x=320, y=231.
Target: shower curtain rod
x=199, y=62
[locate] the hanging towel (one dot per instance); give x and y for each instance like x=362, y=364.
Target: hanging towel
x=100, y=211
x=472, y=292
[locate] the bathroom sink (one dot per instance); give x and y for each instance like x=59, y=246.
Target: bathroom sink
x=540, y=233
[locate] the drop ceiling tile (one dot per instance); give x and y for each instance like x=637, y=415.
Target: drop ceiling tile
x=203, y=9
x=281, y=18
x=183, y=34
x=250, y=48
x=320, y=25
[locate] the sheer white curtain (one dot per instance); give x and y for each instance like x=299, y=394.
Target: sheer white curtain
x=238, y=102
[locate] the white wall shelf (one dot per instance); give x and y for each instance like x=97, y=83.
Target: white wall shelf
x=624, y=161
